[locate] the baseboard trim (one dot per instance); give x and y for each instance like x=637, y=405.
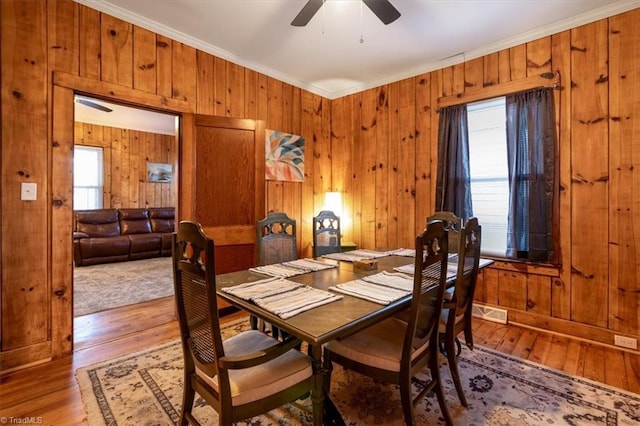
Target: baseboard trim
x=565, y=328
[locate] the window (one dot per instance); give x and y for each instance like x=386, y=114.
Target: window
x=87, y=178
x=489, y=172
x=487, y=146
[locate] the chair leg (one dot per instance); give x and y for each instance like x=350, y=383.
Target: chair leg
x=468, y=334
x=435, y=375
x=406, y=400
x=253, y=322
x=453, y=367
x=188, y=396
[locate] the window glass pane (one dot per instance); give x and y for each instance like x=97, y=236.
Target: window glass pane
x=489, y=172
x=87, y=178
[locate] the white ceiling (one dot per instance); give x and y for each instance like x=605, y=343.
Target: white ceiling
x=327, y=58
x=124, y=117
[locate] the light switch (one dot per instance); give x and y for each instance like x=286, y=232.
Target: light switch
x=29, y=191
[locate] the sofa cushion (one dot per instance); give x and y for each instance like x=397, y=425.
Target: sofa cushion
x=162, y=219
x=134, y=221
x=104, y=247
x=144, y=243
x=98, y=223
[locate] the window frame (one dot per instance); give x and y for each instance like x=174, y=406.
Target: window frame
x=98, y=188
x=547, y=79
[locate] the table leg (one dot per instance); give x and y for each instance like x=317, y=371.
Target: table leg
x=325, y=412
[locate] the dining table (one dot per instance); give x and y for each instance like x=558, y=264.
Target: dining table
x=343, y=316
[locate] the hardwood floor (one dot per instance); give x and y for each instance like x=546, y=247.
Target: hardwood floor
x=49, y=391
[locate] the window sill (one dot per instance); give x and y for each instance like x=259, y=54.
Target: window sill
x=547, y=269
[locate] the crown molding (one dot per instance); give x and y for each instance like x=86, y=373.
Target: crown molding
x=557, y=27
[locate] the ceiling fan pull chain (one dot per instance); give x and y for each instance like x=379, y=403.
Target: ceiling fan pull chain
x=361, y=24
x=323, y=15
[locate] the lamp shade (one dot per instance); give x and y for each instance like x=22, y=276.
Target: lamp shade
x=333, y=202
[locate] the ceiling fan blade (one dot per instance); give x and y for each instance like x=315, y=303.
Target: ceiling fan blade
x=307, y=12
x=383, y=9
x=93, y=105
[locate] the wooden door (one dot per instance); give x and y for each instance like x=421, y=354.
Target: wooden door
x=222, y=184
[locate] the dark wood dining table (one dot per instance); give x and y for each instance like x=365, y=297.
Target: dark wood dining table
x=323, y=323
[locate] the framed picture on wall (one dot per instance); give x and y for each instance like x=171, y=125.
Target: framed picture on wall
x=159, y=172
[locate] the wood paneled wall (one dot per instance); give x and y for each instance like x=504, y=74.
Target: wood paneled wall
x=126, y=153
x=378, y=147
x=384, y=155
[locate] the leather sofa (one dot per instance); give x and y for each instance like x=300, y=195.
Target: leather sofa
x=117, y=235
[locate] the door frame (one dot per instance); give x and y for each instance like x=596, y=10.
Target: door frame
x=65, y=86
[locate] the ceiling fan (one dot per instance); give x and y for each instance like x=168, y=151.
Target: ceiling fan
x=383, y=9
x=94, y=105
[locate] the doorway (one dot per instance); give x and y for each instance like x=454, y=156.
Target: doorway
x=125, y=143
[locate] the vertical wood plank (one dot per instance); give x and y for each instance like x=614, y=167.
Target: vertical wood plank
x=307, y=129
x=504, y=66
x=274, y=122
x=144, y=60
x=357, y=165
x=491, y=70
x=116, y=51
x=25, y=155
x=61, y=222
x=220, y=88
x=406, y=162
x=368, y=169
x=164, y=66
x=392, y=167
x=473, y=74
x=89, y=22
x=63, y=41
x=539, y=56
x=235, y=91
x=424, y=142
x=590, y=175
x=539, y=294
x=205, y=83
x=184, y=75
x=251, y=94
x=518, y=62
x=561, y=60
x=624, y=168
x=382, y=174
x=512, y=290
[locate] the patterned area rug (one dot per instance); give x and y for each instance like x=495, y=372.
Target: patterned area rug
x=100, y=287
x=146, y=389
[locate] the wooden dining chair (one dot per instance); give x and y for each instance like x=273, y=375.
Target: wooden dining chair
x=453, y=224
x=276, y=243
x=457, y=311
x=242, y=376
x=394, y=351
x=276, y=239
x=326, y=233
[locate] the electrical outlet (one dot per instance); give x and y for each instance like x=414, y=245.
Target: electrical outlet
x=625, y=342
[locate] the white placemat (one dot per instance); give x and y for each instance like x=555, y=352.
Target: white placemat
x=383, y=288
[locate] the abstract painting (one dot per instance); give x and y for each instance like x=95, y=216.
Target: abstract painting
x=285, y=156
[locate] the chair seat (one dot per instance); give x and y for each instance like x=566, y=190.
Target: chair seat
x=251, y=384
x=444, y=317
x=448, y=294
x=378, y=346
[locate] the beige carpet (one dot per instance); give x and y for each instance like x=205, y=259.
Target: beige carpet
x=100, y=287
x=146, y=389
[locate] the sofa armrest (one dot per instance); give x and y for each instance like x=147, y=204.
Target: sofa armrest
x=78, y=235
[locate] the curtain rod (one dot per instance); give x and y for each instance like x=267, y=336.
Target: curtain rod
x=547, y=79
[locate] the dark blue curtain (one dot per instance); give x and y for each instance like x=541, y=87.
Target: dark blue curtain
x=531, y=157
x=453, y=183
